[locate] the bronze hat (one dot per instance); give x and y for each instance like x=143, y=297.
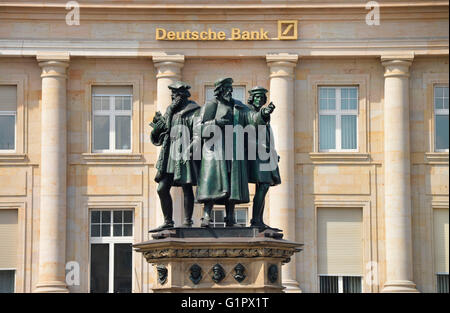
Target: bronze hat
x=257, y=89
x=179, y=85
x=223, y=81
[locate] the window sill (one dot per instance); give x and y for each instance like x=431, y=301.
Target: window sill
x=436, y=157
x=99, y=157
x=339, y=157
x=8, y=157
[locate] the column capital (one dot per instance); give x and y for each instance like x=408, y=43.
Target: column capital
x=54, y=64
x=397, y=65
x=168, y=66
x=282, y=64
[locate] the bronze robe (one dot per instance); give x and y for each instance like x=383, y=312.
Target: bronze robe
x=221, y=179
x=183, y=172
x=255, y=172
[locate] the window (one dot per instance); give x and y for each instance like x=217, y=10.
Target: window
x=441, y=248
x=441, y=128
x=338, y=113
x=238, y=93
x=340, y=284
x=8, y=249
x=112, y=112
x=7, y=281
x=8, y=112
x=111, y=238
x=442, y=283
x=218, y=217
x=339, y=248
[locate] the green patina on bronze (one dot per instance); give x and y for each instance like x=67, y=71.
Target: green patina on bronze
x=263, y=179
x=224, y=181
x=172, y=172
x=220, y=180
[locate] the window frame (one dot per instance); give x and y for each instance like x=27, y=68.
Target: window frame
x=21, y=127
x=91, y=79
x=22, y=249
x=338, y=113
x=431, y=270
x=427, y=97
x=111, y=113
x=437, y=281
x=340, y=281
x=11, y=113
x=437, y=112
x=371, y=282
x=362, y=81
x=15, y=276
x=111, y=241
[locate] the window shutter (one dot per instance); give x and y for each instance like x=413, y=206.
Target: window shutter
x=441, y=240
x=112, y=90
x=8, y=97
x=8, y=238
x=340, y=243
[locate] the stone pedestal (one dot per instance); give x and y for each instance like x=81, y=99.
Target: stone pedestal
x=218, y=259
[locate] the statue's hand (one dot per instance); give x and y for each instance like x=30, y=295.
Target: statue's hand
x=160, y=124
x=269, y=109
x=156, y=118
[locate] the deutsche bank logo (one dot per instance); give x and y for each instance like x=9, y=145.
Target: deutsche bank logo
x=288, y=30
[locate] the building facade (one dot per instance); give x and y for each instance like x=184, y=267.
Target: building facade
x=361, y=126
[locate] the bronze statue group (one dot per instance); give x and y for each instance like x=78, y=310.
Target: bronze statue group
x=219, y=180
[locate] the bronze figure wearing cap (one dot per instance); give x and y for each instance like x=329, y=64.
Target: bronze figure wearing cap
x=173, y=171
x=225, y=181
x=263, y=178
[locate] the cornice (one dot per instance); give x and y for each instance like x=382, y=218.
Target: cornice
x=206, y=5
x=191, y=250
x=148, y=49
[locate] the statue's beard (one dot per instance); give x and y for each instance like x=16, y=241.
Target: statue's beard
x=227, y=96
x=179, y=101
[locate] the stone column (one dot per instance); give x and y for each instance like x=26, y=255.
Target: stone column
x=397, y=185
x=52, y=232
x=282, y=197
x=168, y=69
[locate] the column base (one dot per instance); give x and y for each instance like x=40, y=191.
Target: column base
x=399, y=286
x=291, y=286
x=51, y=287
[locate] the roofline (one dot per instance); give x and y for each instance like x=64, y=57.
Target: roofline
x=229, y=6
